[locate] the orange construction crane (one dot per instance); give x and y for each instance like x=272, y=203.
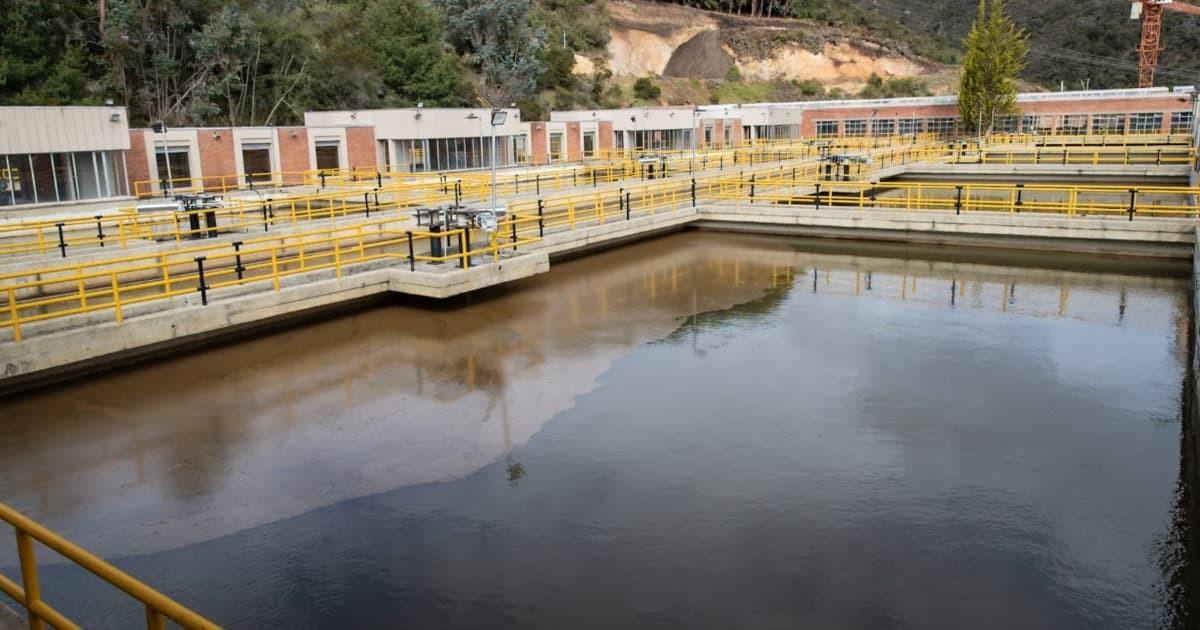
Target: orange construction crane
x=1150, y=12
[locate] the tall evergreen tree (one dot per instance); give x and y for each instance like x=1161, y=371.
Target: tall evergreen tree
x=409, y=40
x=995, y=55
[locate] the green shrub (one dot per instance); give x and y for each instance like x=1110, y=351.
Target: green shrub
x=646, y=89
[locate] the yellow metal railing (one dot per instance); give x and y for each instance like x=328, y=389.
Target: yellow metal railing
x=1094, y=156
x=159, y=607
x=1072, y=201
x=115, y=284
x=119, y=229
x=222, y=183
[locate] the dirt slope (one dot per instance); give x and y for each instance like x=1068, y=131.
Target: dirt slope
x=649, y=38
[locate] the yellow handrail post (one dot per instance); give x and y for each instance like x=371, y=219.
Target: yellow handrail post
x=154, y=619
x=275, y=266
x=116, y=295
x=82, y=289
x=12, y=312
x=29, y=579
x=337, y=257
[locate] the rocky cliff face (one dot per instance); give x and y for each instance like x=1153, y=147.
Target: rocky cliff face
x=675, y=41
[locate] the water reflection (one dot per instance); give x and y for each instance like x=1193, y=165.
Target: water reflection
x=1179, y=551
x=796, y=430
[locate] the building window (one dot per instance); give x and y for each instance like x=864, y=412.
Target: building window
x=19, y=180
x=174, y=164
x=728, y=129
x=827, y=128
x=1145, y=123
x=1073, y=124
x=556, y=146
x=256, y=162
x=589, y=144
x=856, y=128
x=1041, y=125
x=1108, y=123
x=519, y=150
x=328, y=155
x=60, y=177
x=910, y=126
x=1182, y=122
x=945, y=125
x=883, y=127
x=1005, y=124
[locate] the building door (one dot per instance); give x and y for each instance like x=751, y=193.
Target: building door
x=180, y=167
x=256, y=162
x=589, y=144
x=328, y=155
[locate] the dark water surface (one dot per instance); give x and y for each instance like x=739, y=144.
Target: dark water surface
x=703, y=431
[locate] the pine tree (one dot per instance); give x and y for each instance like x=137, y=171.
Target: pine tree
x=996, y=51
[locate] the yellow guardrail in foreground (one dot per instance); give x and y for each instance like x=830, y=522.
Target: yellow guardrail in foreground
x=158, y=607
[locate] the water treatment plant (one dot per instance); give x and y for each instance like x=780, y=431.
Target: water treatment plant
x=827, y=364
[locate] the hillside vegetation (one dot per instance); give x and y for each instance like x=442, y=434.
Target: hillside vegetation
x=256, y=62
x=1075, y=42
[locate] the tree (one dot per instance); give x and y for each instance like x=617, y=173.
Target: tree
x=228, y=50
x=408, y=38
x=43, y=56
x=996, y=51
x=500, y=41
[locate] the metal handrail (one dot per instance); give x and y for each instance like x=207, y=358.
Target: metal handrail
x=158, y=607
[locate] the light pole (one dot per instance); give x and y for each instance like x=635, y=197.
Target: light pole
x=695, y=118
x=478, y=132
x=160, y=127
x=498, y=118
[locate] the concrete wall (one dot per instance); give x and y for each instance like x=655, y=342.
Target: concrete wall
x=63, y=129
x=418, y=123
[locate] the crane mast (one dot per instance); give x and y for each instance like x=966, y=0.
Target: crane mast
x=1150, y=12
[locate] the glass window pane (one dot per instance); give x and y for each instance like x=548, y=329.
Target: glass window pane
x=85, y=175
x=1181, y=122
x=43, y=176
x=6, y=183
x=20, y=179
x=64, y=180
